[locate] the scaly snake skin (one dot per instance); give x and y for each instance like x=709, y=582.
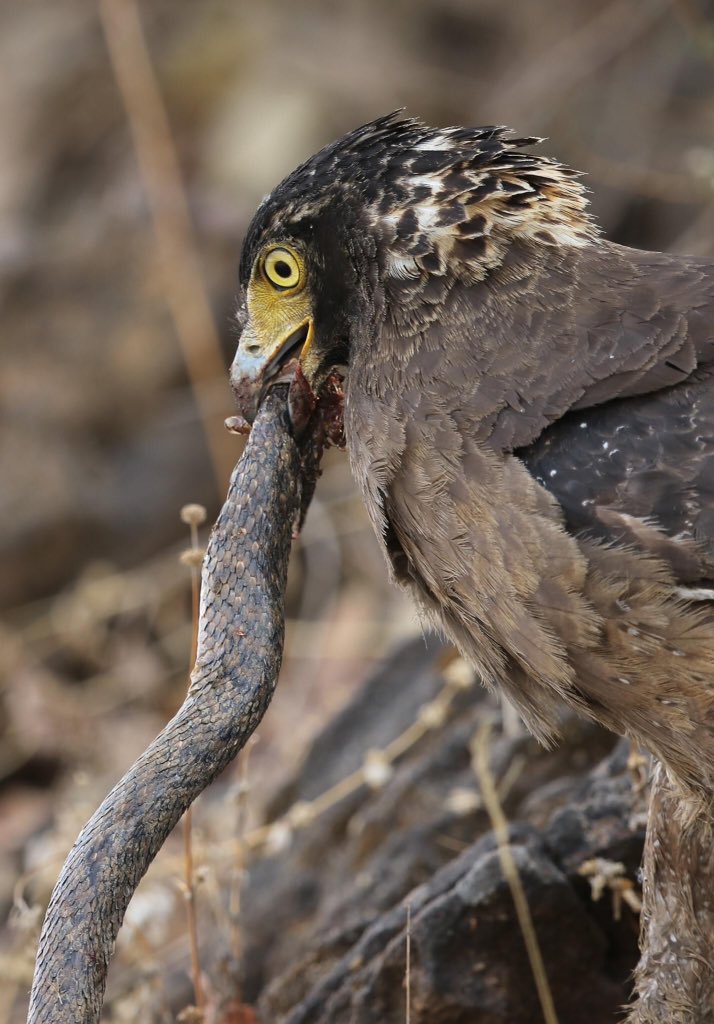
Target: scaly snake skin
x=239, y=654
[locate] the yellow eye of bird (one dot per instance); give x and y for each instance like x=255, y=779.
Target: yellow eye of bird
x=282, y=268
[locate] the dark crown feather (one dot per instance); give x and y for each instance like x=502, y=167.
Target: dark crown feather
x=433, y=194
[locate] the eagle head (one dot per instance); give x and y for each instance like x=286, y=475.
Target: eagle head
x=380, y=226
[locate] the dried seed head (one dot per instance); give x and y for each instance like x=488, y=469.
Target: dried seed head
x=301, y=814
x=459, y=674
x=193, y=515
x=279, y=837
x=433, y=715
x=376, y=769
x=462, y=801
x=193, y=557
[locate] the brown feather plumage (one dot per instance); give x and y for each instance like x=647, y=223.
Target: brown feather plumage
x=529, y=416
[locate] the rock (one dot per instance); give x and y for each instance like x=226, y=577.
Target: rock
x=325, y=922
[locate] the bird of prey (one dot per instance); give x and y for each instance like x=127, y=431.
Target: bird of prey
x=528, y=411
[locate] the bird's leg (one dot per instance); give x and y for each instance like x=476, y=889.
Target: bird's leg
x=674, y=980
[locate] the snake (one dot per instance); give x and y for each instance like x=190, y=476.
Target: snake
x=239, y=653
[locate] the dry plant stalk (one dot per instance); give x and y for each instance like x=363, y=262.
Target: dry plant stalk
x=408, y=967
x=193, y=516
x=499, y=823
x=158, y=162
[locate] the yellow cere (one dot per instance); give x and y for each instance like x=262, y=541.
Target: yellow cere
x=278, y=300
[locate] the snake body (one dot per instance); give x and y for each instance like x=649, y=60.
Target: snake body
x=239, y=655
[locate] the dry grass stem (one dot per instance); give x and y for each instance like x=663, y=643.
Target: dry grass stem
x=193, y=515
x=699, y=25
x=408, y=968
x=185, y=292
x=499, y=823
x=607, y=874
x=374, y=771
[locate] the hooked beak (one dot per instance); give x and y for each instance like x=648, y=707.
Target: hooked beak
x=258, y=366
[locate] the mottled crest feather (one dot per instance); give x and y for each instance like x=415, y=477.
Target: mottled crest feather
x=528, y=416
x=435, y=196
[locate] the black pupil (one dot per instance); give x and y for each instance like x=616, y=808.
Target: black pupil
x=283, y=269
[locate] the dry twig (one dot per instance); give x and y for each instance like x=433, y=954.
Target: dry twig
x=185, y=292
x=510, y=872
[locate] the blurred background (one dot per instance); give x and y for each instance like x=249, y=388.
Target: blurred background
x=113, y=384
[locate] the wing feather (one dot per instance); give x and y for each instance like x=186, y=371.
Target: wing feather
x=464, y=435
